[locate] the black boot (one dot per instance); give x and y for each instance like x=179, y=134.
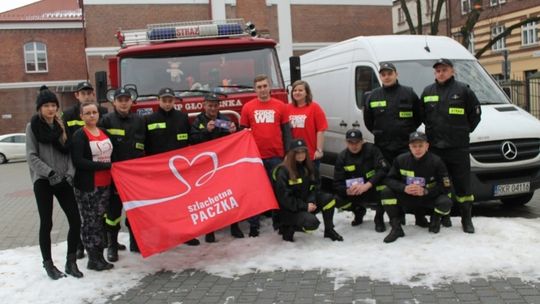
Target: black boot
x=421, y=220
x=253, y=232
x=80, y=250
x=133, y=247
x=236, y=232
x=96, y=261
x=112, y=250
x=379, y=220
x=210, y=237
x=466, y=217
x=402, y=217
x=193, y=242
x=396, y=231
x=435, y=223
x=329, y=232
x=446, y=221
x=359, y=213
x=71, y=266
x=52, y=271
x=287, y=233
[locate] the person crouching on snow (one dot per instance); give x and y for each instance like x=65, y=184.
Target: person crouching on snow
x=296, y=185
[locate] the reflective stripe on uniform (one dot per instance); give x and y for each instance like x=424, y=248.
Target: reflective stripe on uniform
x=405, y=114
x=295, y=181
x=406, y=172
x=349, y=168
x=308, y=231
x=118, y=132
x=330, y=205
x=441, y=212
x=139, y=146
x=380, y=188
x=456, y=111
x=377, y=104
x=182, y=136
x=369, y=174
x=388, y=202
x=72, y=123
x=112, y=222
x=346, y=206
x=201, y=126
x=466, y=198
x=157, y=125
x=431, y=98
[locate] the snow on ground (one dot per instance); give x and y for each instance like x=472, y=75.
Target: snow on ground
x=502, y=247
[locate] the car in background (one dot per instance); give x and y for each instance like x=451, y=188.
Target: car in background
x=12, y=147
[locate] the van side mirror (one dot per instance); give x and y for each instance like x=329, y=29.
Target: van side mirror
x=101, y=86
x=294, y=66
x=508, y=92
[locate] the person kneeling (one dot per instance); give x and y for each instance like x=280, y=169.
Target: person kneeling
x=297, y=191
x=418, y=181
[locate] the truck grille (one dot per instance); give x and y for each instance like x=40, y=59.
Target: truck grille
x=503, y=151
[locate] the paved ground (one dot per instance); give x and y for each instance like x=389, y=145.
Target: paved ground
x=19, y=226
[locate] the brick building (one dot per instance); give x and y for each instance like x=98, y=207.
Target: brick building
x=42, y=43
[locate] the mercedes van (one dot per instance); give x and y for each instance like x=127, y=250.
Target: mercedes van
x=505, y=158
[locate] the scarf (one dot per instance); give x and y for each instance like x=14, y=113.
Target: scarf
x=46, y=134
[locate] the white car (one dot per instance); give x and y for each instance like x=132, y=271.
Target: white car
x=12, y=147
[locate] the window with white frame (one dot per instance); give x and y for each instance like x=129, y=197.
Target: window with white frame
x=401, y=15
x=501, y=43
x=471, y=43
x=35, y=57
x=496, y=2
x=529, y=33
x=465, y=6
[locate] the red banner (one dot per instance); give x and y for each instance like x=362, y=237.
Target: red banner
x=173, y=197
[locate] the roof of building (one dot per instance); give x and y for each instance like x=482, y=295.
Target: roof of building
x=45, y=10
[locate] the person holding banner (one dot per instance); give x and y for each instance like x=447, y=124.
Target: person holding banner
x=208, y=125
x=296, y=185
x=91, y=153
x=127, y=133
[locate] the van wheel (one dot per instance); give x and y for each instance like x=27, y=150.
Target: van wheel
x=519, y=200
x=3, y=158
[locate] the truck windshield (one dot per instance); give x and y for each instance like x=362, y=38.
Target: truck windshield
x=418, y=74
x=224, y=72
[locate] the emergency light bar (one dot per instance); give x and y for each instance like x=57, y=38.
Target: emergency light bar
x=186, y=30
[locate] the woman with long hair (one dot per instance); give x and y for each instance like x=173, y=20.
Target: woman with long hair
x=296, y=186
x=91, y=155
x=51, y=171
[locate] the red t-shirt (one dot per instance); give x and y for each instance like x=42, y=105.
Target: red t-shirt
x=265, y=119
x=101, y=148
x=306, y=122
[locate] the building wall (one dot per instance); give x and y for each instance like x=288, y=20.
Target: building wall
x=399, y=22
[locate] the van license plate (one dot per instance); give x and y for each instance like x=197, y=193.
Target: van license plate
x=500, y=190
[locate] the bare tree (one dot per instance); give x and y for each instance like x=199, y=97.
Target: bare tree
x=435, y=16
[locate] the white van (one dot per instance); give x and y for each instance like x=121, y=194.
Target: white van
x=505, y=147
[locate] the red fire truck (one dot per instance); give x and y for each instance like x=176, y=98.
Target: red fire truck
x=194, y=59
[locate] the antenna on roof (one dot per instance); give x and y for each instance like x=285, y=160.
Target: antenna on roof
x=427, y=46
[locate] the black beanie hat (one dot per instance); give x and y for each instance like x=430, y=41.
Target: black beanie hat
x=45, y=96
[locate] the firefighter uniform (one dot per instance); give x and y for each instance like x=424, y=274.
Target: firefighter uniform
x=430, y=172
x=166, y=131
x=450, y=112
x=370, y=166
x=127, y=136
x=199, y=132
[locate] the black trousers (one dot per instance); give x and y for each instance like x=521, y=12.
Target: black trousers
x=63, y=192
x=113, y=215
x=392, y=202
x=458, y=163
x=308, y=221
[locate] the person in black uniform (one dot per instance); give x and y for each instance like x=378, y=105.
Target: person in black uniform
x=126, y=132
x=72, y=122
x=358, y=171
x=167, y=129
x=391, y=113
x=296, y=186
x=417, y=180
x=451, y=111
x=211, y=124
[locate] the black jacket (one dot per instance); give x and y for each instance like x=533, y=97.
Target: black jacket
x=294, y=195
x=126, y=133
x=166, y=131
x=85, y=167
x=391, y=114
x=450, y=111
x=430, y=167
x=72, y=119
x=369, y=164
x=199, y=132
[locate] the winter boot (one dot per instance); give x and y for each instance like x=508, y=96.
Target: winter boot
x=446, y=221
x=112, y=250
x=435, y=223
x=379, y=220
x=359, y=213
x=193, y=242
x=287, y=233
x=210, y=237
x=71, y=266
x=253, y=232
x=396, y=231
x=133, y=247
x=236, y=232
x=96, y=261
x=421, y=220
x=52, y=271
x=466, y=217
x=80, y=250
x=329, y=232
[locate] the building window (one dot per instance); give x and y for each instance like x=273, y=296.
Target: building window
x=529, y=33
x=35, y=57
x=401, y=15
x=496, y=2
x=471, y=43
x=501, y=43
x=465, y=6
